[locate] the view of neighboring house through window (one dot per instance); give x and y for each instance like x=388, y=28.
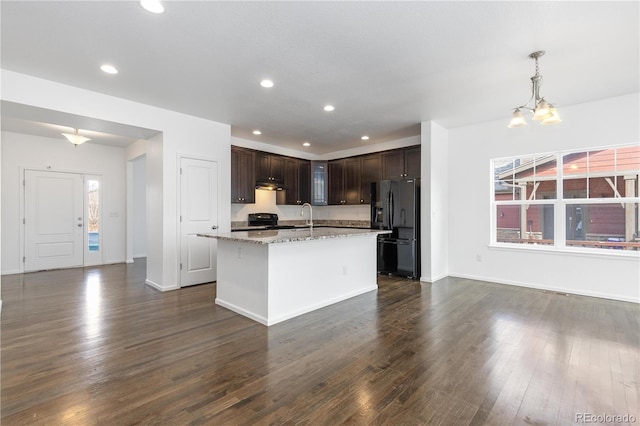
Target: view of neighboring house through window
x=592, y=199
x=93, y=214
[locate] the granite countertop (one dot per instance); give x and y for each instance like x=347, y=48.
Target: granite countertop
x=291, y=235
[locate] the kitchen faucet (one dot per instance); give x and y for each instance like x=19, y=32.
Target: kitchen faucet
x=310, y=214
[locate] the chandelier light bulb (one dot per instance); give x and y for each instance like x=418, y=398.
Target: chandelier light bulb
x=553, y=117
x=542, y=111
x=517, y=119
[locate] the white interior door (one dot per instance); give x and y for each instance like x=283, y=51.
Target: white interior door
x=54, y=220
x=198, y=214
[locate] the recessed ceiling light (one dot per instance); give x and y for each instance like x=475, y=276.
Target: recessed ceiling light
x=109, y=69
x=365, y=138
x=266, y=83
x=153, y=6
x=257, y=132
x=306, y=144
x=328, y=108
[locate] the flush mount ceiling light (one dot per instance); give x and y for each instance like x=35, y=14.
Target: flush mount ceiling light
x=153, y=6
x=109, y=69
x=266, y=83
x=329, y=108
x=365, y=138
x=257, y=132
x=306, y=144
x=75, y=138
x=543, y=111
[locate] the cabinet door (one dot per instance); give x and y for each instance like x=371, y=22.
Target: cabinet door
x=235, y=197
x=412, y=162
x=336, y=181
x=371, y=167
x=304, y=181
x=319, y=183
x=263, y=166
x=393, y=164
x=243, y=179
x=277, y=167
x=291, y=181
x=352, y=180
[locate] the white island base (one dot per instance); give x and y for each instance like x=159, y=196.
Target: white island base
x=273, y=282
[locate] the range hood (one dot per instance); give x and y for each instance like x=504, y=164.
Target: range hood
x=269, y=185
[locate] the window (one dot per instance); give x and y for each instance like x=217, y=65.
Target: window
x=93, y=215
x=586, y=200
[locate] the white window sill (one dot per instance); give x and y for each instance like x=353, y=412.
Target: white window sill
x=568, y=251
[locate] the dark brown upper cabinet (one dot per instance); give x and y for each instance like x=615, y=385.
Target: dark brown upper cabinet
x=336, y=182
x=297, y=182
x=371, y=171
x=269, y=167
x=412, y=162
x=350, y=179
x=304, y=181
x=351, y=188
x=401, y=163
x=243, y=180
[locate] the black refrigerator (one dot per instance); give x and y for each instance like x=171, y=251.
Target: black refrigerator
x=395, y=205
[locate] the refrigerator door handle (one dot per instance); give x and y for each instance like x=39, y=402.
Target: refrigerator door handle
x=394, y=242
x=391, y=209
x=388, y=207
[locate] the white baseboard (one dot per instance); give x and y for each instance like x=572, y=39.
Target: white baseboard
x=238, y=310
x=609, y=296
x=11, y=272
x=291, y=314
x=159, y=287
x=433, y=279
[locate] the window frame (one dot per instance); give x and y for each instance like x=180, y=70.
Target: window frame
x=560, y=204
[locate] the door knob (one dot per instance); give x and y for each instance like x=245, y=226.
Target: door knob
x=214, y=227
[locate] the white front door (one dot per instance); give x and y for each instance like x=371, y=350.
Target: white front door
x=54, y=220
x=198, y=214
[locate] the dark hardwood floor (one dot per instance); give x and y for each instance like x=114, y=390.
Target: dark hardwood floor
x=98, y=346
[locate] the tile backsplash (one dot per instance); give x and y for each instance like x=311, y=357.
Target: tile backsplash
x=266, y=202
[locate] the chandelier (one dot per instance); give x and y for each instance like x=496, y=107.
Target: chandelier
x=543, y=111
x=75, y=138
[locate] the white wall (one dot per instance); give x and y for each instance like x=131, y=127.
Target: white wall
x=42, y=153
x=180, y=134
x=139, y=193
x=606, y=122
x=134, y=152
x=434, y=243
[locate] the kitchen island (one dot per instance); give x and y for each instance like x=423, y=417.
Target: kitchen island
x=274, y=275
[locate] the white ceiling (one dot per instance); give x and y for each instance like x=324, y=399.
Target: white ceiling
x=386, y=66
